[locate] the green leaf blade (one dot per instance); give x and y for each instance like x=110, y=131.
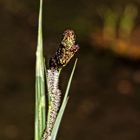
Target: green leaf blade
x=63, y=106
x=40, y=113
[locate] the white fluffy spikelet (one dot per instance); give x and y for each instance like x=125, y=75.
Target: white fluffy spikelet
x=54, y=94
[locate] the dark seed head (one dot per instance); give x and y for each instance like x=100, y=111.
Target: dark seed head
x=65, y=52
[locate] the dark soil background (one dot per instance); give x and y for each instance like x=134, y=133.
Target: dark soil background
x=105, y=94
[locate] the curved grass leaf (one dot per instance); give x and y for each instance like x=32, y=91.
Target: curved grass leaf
x=63, y=106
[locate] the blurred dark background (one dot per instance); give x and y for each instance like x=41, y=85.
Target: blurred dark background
x=105, y=93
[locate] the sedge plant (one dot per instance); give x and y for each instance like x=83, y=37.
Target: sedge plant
x=47, y=126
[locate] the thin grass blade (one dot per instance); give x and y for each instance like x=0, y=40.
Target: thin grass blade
x=40, y=116
x=63, y=106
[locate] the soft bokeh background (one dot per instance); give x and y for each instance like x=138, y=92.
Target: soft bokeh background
x=105, y=94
